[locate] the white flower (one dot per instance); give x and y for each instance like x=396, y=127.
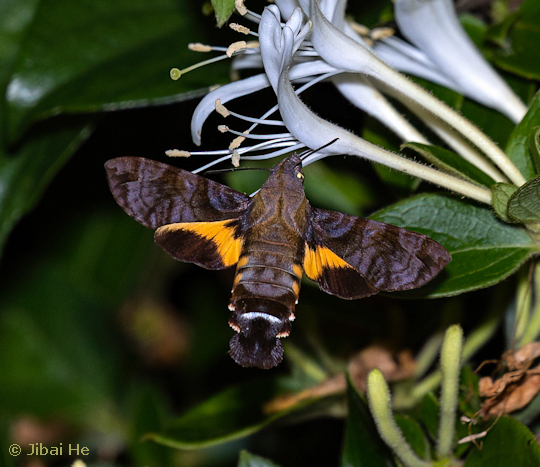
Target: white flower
x=432, y=25
x=348, y=55
x=319, y=44
x=316, y=132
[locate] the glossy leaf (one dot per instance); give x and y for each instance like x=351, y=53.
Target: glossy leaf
x=507, y=443
x=223, y=9
x=25, y=174
x=362, y=445
x=534, y=146
x=518, y=147
x=58, y=357
x=519, y=53
x=414, y=435
x=524, y=204
x=234, y=413
x=427, y=412
x=484, y=250
x=501, y=194
x=94, y=55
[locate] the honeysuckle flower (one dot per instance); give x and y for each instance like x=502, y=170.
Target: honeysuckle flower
x=432, y=25
x=369, y=100
x=277, y=47
x=343, y=52
x=319, y=44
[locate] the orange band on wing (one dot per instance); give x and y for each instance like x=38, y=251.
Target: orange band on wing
x=316, y=261
x=222, y=236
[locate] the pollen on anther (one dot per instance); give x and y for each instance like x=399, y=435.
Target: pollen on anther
x=235, y=159
x=236, y=142
x=240, y=8
x=381, y=33
x=221, y=109
x=240, y=28
x=223, y=128
x=234, y=47
x=177, y=153
x=198, y=47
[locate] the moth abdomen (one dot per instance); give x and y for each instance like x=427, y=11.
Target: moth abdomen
x=265, y=292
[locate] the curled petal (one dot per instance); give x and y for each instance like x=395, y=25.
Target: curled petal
x=432, y=25
x=404, y=57
x=346, y=54
x=286, y=7
x=316, y=132
x=274, y=40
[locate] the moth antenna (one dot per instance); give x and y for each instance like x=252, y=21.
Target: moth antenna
x=307, y=153
x=234, y=169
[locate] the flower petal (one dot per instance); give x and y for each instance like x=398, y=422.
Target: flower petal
x=432, y=25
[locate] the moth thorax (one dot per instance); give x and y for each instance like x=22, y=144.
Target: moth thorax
x=257, y=340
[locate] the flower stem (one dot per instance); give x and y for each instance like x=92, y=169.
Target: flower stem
x=450, y=367
x=379, y=405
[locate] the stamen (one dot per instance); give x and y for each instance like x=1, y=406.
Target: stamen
x=177, y=153
x=221, y=109
x=381, y=33
x=235, y=47
x=287, y=145
x=236, y=142
x=240, y=7
x=235, y=159
x=177, y=73
x=246, y=134
x=239, y=28
x=198, y=47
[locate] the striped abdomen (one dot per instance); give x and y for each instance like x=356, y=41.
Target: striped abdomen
x=268, y=276
x=265, y=292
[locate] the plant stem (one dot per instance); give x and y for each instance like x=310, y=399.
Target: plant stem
x=450, y=367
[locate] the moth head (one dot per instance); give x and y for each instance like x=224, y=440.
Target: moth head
x=257, y=340
x=289, y=171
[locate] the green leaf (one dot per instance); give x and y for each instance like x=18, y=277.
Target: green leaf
x=518, y=147
x=534, y=147
x=450, y=162
x=59, y=357
x=247, y=459
x=507, y=443
x=414, y=435
x=93, y=54
x=524, y=204
x=234, y=413
x=362, y=445
x=223, y=9
x=519, y=52
x=501, y=194
x=427, y=412
x=25, y=174
x=484, y=250
x=498, y=32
